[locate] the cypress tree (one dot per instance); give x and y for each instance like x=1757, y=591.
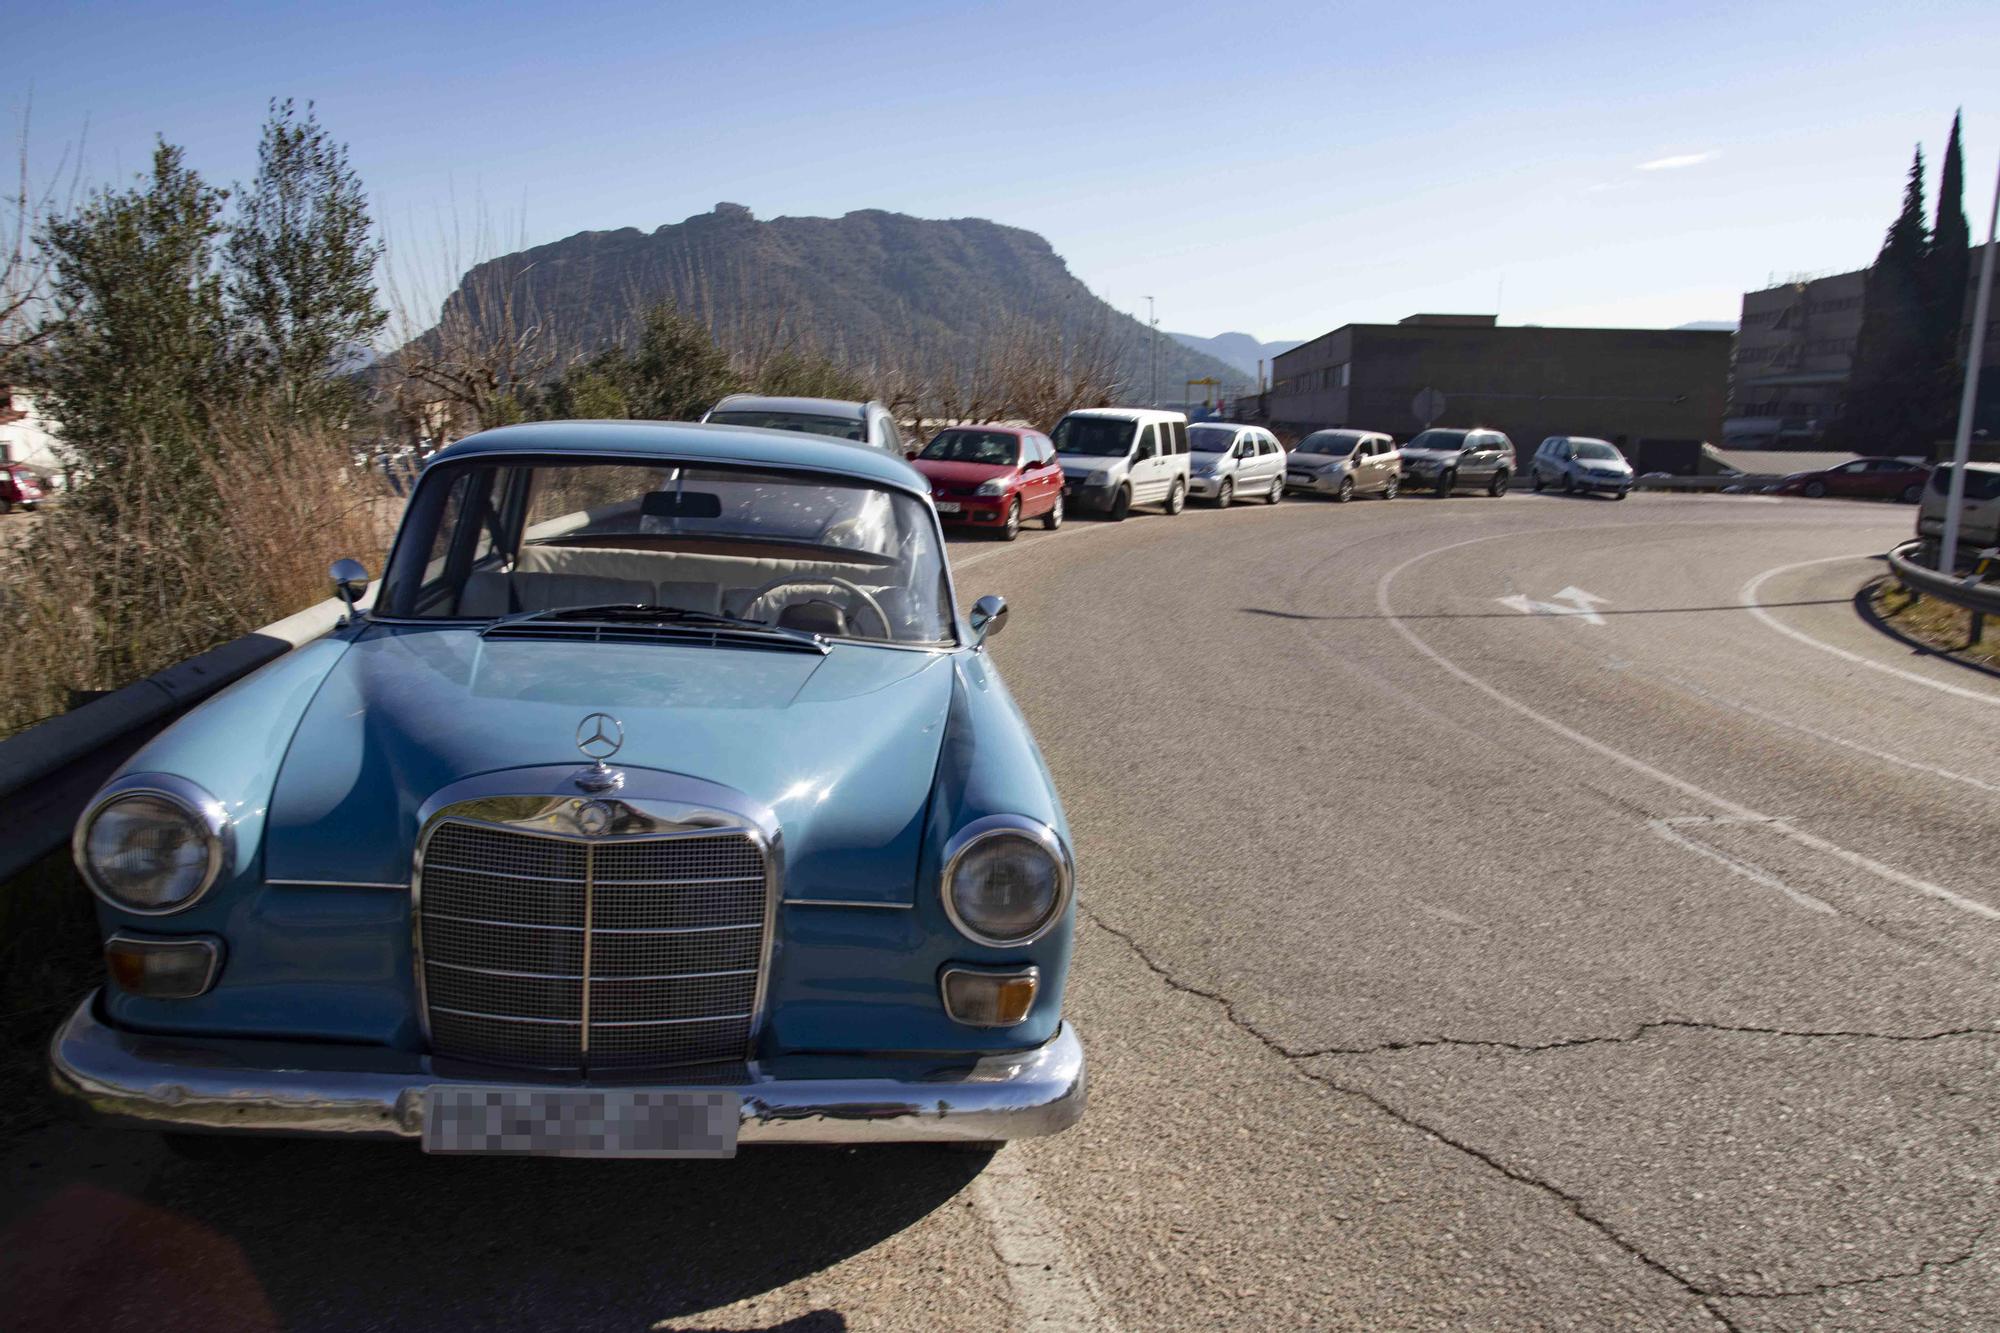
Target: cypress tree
x=1889, y=392
x=1946, y=275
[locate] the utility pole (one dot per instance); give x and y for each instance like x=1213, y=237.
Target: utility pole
x=1947, y=560
x=1153, y=351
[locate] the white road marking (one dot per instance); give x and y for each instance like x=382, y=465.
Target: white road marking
x=1442, y=914
x=1818, y=735
x=1670, y=829
x=1050, y=1288
x=1749, y=596
x=1568, y=602
x=1644, y=769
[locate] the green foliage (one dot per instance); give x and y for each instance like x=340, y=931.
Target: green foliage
x=799, y=374
x=302, y=255
x=1889, y=401
x=1947, y=269
x=137, y=348
x=673, y=372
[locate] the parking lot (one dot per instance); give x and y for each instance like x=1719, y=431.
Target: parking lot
x=1527, y=912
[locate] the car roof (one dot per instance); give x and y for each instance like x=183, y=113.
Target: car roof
x=826, y=407
x=694, y=442
x=995, y=427
x=1129, y=413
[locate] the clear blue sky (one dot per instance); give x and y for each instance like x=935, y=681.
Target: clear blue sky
x=1280, y=168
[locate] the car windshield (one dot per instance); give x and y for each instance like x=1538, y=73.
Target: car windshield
x=489, y=538
x=1209, y=439
x=806, y=423
x=1452, y=440
x=1597, y=449
x=1094, y=437
x=997, y=447
x=1327, y=442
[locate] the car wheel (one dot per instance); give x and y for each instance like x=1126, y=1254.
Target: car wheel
x=6, y=506
x=1498, y=486
x=1445, y=481
x=1277, y=492
x=1346, y=491
x=1225, y=493
x=1815, y=489
x=1912, y=494
x=1536, y=481
x=1393, y=488
x=1053, y=519
x=1569, y=484
x=1619, y=495
x=1011, y=529
x=1121, y=505
x=1177, y=498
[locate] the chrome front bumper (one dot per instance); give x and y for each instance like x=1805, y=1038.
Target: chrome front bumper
x=233, y=1085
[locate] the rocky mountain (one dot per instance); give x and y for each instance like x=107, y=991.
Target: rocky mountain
x=1236, y=349
x=883, y=292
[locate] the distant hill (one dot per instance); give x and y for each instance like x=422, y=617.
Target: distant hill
x=878, y=291
x=1236, y=349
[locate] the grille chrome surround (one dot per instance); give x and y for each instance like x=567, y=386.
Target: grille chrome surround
x=541, y=947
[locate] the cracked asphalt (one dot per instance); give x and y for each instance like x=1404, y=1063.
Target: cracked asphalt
x=1441, y=965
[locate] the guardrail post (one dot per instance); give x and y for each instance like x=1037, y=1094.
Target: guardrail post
x=1978, y=629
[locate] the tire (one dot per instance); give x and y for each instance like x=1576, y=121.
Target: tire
x=1053, y=519
x=6, y=506
x=1569, y=484
x=1277, y=492
x=1346, y=491
x=1011, y=528
x=1536, y=482
x=1177, y=497
x=1225, y=493
x=1393, y=488
x=1445, y=481
x=1121, y=505
x=1498, y=486
x=220, y=1150
x=1912, y=494
x=1814, y=490
x=1619, y=495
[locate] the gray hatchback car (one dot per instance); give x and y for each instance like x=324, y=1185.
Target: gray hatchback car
x=1578, y=463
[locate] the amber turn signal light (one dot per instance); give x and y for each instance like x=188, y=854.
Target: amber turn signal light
x=163, y=969
x=990, y=998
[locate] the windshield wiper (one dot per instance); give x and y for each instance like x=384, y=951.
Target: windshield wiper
x=637, y=613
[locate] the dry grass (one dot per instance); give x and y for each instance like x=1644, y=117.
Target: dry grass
x=95, y=600
x=1938, y=625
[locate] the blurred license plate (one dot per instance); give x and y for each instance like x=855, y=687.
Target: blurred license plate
x=581, y=1122
x=949, y=506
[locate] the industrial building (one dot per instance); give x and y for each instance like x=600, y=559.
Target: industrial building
x=1629, y=386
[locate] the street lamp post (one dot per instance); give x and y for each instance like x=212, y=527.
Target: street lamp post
x=1947, y=560
x=1153, y=352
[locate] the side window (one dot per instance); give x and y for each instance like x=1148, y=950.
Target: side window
x=1177, y=433
x=1044, y=451
x=1149, y=444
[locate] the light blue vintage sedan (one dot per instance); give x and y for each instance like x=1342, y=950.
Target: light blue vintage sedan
x=661, y=802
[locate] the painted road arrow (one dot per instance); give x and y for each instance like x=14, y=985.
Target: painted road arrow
x=1569, y=602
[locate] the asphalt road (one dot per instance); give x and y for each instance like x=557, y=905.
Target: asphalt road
x=1537, y=913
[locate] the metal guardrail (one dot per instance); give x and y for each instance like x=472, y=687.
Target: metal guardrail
x=1970, y=591
x=49, y=771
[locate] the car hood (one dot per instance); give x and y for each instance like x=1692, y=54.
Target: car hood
x=960, y=474
x=1083, y=467
x=1605, y=465
x=1312, y=462
x=843, y=748
x=1427, y=455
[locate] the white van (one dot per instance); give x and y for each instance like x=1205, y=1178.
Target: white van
x=1978, y=514
x=1116, y=457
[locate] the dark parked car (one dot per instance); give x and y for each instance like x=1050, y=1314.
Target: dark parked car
x=1445, y=460
x=18, y=486
x=1864, y=478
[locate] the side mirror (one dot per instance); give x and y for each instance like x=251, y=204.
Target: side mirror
x=988, y=617
x=350, y=581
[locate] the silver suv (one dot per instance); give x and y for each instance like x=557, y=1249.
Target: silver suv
x=863, y=423
x=1445, y=460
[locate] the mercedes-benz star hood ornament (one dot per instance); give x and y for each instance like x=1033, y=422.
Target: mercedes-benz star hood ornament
x=599, y=736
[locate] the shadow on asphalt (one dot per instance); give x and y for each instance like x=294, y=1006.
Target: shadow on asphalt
x=344, y=1236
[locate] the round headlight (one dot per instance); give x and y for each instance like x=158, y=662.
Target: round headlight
x=1006, y=879
x=155, y=846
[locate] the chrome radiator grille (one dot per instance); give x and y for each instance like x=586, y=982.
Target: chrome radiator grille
x=578, y=955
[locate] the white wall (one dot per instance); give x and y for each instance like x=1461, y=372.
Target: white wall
x=31, y=439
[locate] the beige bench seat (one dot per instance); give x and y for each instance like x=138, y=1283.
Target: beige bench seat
x=547, y=577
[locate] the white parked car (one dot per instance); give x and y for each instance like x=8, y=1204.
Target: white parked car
x=1116, y=457
x=1346, y=463
x=1978, y=513
x=1230, y=462
x=863, y=423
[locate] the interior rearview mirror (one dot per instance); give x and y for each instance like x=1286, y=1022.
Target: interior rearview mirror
x=681, y=504
x=988, y=616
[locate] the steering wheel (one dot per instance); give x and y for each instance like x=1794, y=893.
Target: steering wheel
x=866, y=598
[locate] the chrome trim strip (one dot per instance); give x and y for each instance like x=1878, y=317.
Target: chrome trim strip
x=585, y=1021
x=1031, y=972
x=620, y=883
x=846, y=902
x=576, y=976
x=994, y=826
x=269, y=1087
x=193, y=799
x=583, y=1004
x=601, y=930
x=338, y=884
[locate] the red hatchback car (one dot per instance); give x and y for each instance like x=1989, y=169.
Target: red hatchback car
x=18, y=486
x=1864, y=478
x=993, y=477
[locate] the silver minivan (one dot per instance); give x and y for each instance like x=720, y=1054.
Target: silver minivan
x=1978, y=512
x=1344, y=464
x=1231, y=462
x=1581, y=463
x=1115, y=457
